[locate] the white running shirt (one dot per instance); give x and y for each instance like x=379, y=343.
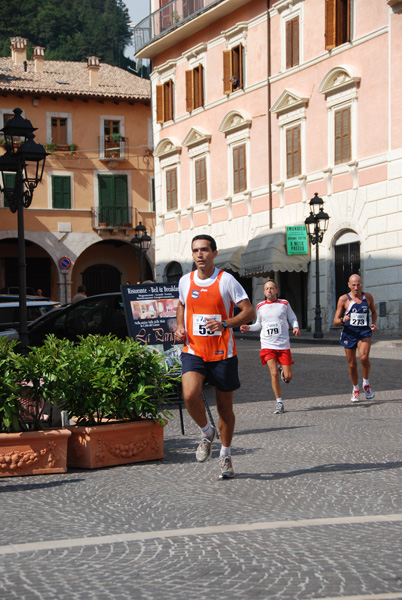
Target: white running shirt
x=272, y=321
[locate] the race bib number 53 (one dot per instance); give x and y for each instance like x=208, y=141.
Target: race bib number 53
x=199, y=327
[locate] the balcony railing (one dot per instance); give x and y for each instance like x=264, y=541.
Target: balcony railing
x=113, y=146
x=166, y=18
x=112, y=217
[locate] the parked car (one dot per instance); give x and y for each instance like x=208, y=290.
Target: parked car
x=9, y=312
x=101, y=314
x=16, y=298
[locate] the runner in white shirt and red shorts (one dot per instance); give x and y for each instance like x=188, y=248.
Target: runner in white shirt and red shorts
x=273, y=316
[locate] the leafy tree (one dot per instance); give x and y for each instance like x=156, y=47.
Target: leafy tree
x=69, y=30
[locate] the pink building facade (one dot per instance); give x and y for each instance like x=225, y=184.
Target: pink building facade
x=313, y=107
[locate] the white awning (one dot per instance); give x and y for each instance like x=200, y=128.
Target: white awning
x=229, y=259
x=267, y=253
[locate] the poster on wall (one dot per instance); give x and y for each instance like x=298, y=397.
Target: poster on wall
x=151, y=317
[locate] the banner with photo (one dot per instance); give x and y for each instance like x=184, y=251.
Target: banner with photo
x=151, y=317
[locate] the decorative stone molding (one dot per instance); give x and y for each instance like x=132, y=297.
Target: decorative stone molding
x=228, y=202
x=236, y=34
x=328, y=179
x=235, y=120
x=279, y=188
x=177, y=216
x=303, y=186
x=284, y=5
x=196, y=135
x=166, y=147
x=190, y=214
x=289, y=100
x=339, y=78
x=208, y=210
x=247, y=198
x=353, y=168
x=195, y=52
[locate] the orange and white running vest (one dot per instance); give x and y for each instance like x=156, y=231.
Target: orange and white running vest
x=202, y=304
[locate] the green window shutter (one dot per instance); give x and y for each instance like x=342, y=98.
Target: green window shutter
x=113, y=201
x=61, y=192
x=120, y=196
x=9, y=182
x=106, y=192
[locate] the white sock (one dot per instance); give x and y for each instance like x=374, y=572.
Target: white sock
x=279, y=400
x=207, y=430
x=225, y=450
x=356, y=388
x=365, y=382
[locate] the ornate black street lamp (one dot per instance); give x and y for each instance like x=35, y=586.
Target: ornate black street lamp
x=317, y=225
x=25, y=159
x=141, y=243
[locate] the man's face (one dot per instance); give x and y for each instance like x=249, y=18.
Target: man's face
x=203, y=255
x=270, y=291
x=355, y=284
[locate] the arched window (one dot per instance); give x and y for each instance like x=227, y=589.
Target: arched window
x=173, y=272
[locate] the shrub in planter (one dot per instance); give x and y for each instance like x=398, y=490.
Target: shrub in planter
x=27, y=444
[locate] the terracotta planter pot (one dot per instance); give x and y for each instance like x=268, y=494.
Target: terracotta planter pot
x=33, y=452
x=114, y=444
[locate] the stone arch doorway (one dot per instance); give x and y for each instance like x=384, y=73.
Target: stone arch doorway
x=173, y=272
x=347, y=260
x=40, y=268
x=101, y=279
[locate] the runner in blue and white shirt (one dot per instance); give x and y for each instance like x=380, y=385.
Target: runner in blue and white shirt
x=273, y=318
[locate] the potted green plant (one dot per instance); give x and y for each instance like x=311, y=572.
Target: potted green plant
x=51, y=146
x=115, y=392
x=28, y=445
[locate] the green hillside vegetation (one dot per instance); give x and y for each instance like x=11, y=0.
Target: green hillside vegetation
x=69, y=30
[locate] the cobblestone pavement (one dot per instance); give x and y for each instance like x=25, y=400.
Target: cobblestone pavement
x=315, y=510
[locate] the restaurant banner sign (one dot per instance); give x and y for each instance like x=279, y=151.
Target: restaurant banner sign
x=151, y=317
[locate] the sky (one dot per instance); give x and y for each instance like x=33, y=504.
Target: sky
x=138, y=9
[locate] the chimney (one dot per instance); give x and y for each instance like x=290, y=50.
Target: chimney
x=18, y=47
x=93, y=67
x=39, y=58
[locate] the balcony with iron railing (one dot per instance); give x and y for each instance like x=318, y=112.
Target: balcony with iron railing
x=167, y=18
x=113, y=146
x=121, y=218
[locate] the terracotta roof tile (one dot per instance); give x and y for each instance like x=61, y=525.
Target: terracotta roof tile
x=69, y=78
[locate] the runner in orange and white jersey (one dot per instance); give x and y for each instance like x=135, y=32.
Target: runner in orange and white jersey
x=205, y=318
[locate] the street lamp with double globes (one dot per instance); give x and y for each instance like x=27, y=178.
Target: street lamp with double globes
x=317, y=225
x=25, y=159
x=141, y=243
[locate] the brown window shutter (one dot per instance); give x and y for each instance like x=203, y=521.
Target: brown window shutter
x=240, y=67
x=168, y=100
x=189, y=90
x=289, y=45
x=293, y=153
x=199, y=86
x=330, y=24
x=227, y=71
x=171, y=189
x=342, y=136
x=160, y=114
x=295, y=47
x=239, y=169
x=200, y=180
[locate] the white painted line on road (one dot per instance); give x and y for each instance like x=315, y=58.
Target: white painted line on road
x=392, y=596
x=211, y=530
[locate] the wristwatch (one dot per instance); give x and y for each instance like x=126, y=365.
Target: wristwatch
x=224, y=325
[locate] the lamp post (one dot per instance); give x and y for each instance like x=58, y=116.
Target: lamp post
x=25, y=159
x=317, y=225
x=141, y=243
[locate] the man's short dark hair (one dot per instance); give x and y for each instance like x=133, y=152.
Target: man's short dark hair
x=208, y=238
x=81, y=288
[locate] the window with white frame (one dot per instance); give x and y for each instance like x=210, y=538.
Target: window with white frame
x=291, y=32
x=340, y=89
x=111, y=136
x=59, y=128
x=234, y=58
x=197, y=141
x=168, y=175
x=60, y=189
x=236, y=126
x=290, y=109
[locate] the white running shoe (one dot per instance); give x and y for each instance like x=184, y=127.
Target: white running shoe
x=355, y=396
x=368, y=391
x=204, y=449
